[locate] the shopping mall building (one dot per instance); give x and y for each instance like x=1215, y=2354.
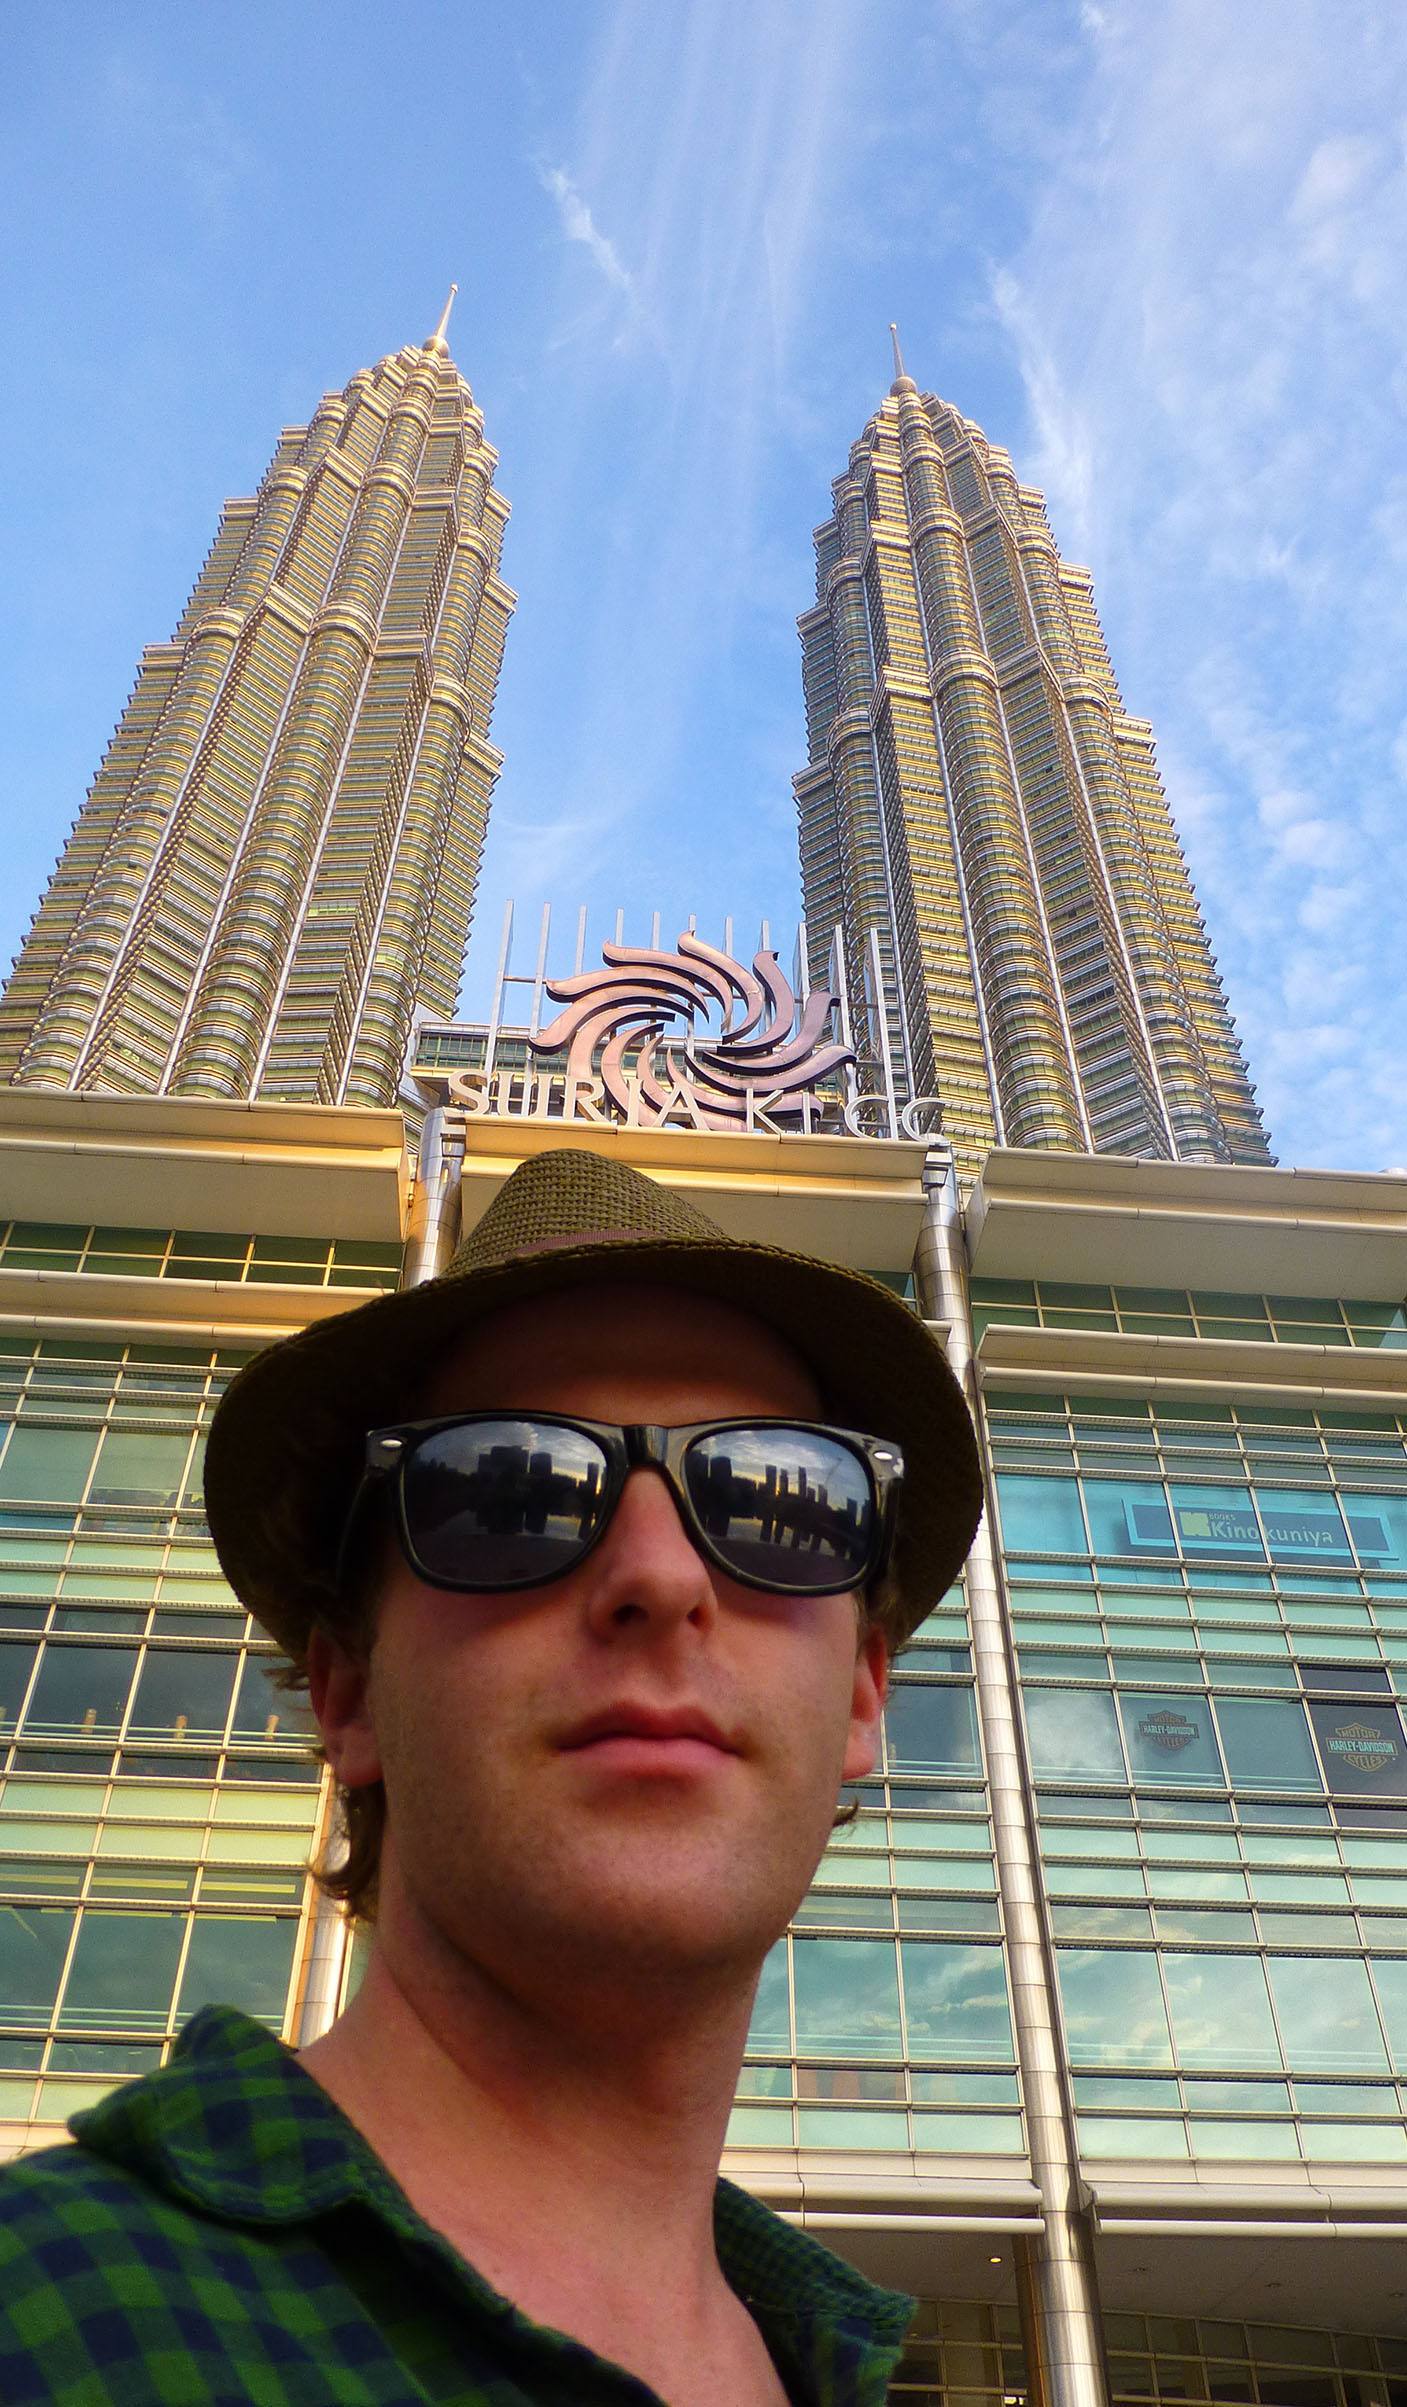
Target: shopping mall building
x=1101, y=2001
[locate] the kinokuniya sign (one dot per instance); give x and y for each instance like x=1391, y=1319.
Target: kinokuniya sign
x=1287, y=1533
x=688, y=1036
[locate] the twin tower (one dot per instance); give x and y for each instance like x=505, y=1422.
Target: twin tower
x=273, y=874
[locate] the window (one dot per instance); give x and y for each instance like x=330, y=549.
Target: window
x=239, y=1960
x=140, y=1466
x=1170, y=1739
x=123, y=1968
x=1325, y=2009
x=847, y=1997
x=183, y=1694
x=33, y=1944
x=1267, y=1743
x=1220, y=2010
x=80, y=1689
x=770, y=2031
x=1113, y=2004
x=46, y=1465
x=929, y=1728
x=1361, y=1747
x=955, y=2001
x=1073, y=1734
x=1040, y=1516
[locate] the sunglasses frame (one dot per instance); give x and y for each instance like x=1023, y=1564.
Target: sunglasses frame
x=629, y=1446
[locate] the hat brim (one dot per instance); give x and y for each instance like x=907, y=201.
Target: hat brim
x=288, y=1443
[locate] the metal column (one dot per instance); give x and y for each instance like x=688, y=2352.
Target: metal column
x=1056, y=2287
x=434, y=1222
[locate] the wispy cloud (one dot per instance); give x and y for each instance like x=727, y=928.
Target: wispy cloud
x=694, y=175
x=1207, y=316
x=578, y=225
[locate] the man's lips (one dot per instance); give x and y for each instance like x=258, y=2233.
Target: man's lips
x=649, y=1733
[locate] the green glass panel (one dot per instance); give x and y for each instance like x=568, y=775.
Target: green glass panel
x=1326, y=2014
x=1216, y=1520
x=1170, y=1739
x=956, y=2002
x=1267, y=1743
x=140, y=1466
x=207, y=1245
x=1220, y=2011
x=33, y=1944
x=1040, y=1515
x=930, y=1728
x=968, y=2134
x=308, y=1253
x=1128, y=1517
x=16, y=1664
x=851, y=2127
x=1390, y=1981
x=847, y=1997
x=1254, y=2143
x=80, y=1688
x=122, y=1971
x=1113, y=2004
x=239, y=1960
x=264, y=1710
x=1073, y=1734
x=1125, y=2135
x=42, y=1464
x=183, y=1693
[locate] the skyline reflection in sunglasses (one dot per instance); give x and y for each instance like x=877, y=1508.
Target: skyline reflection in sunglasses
x=493, y=1501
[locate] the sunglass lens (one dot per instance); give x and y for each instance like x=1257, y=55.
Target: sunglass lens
x=503, y=1503
x=787, y=1507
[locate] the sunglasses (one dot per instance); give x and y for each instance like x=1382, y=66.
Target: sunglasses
x=487, y=1502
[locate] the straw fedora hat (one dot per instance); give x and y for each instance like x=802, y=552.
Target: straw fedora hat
x=288, y=1442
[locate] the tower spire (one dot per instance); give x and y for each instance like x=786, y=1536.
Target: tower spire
x=436, y=342
x=903, y=383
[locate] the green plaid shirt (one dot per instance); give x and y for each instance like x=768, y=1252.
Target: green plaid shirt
x=221, y=2235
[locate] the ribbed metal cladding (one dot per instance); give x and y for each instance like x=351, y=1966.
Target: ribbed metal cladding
x=277, y=861
x=977, y=794
x=1057, y=2290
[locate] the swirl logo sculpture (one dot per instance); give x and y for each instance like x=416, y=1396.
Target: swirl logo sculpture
x=657, y=1008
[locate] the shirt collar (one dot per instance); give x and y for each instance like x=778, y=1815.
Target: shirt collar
x=234, y=2126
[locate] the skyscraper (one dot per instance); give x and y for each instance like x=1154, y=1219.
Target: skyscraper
x=277, y=859
x=978, y=800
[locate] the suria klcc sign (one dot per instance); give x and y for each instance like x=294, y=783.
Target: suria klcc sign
x=684, y=1038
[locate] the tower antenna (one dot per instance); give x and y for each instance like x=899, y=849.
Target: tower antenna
x=437, y=341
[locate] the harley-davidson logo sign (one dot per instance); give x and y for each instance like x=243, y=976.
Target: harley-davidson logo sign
x=1168, y=1730
x=1361, y=1747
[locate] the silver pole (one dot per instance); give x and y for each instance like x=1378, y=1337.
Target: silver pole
x=1056, y=2286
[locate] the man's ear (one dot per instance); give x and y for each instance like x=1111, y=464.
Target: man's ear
x=339, y=1689
x=867, y=1696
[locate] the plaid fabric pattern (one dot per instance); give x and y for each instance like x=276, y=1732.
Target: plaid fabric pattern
x=221, y=2236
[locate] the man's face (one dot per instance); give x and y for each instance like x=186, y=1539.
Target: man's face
x=541, y=1811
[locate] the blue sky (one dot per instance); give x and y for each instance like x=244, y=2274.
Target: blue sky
x=1161, y=253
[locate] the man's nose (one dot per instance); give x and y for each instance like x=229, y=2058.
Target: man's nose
x=646, y=1569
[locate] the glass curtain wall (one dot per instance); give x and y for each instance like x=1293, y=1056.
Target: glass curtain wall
x=883, y=2020
x=1209, y=1604
x=962, y=2355
x=159, y=1803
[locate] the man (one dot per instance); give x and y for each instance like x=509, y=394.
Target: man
x=593, y=1554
